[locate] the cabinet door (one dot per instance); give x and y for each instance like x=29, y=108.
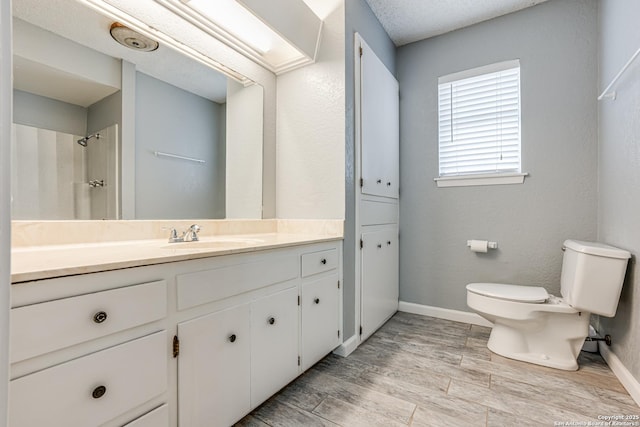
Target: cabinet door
x=274, y=343
x=379, y=125
x=379, y=278
x=320, y=318
x=214, y=368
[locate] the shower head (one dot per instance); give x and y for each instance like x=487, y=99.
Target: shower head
x=85, y=140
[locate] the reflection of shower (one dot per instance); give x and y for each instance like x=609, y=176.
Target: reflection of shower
x=83, y=141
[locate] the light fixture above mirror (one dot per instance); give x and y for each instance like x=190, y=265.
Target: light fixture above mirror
x=280, y=35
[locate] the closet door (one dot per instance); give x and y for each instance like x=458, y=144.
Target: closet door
x=380, y=127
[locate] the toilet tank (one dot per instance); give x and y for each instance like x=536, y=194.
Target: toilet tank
x=592, y=276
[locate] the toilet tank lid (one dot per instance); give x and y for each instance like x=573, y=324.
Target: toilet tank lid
x=595, y=248
x=528, y=294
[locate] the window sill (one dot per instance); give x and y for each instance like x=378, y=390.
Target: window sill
x=485, y=179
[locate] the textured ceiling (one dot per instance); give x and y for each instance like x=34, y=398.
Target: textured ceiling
x=408, y=21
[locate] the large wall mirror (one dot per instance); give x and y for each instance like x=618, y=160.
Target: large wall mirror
x=103, y=131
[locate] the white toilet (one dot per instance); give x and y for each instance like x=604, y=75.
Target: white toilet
x=533, y=326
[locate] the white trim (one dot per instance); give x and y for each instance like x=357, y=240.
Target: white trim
x=626, y=378
x=347, y=347
x=485, y=69
x=358, y=41
x=480, y=179
x=444, y=313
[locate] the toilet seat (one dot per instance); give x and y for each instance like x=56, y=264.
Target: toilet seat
x=516, y=293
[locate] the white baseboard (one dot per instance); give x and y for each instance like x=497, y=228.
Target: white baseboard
x=444, y=313
x=347, y=347
x=628, y=381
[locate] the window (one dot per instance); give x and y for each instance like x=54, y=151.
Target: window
x=479, y=125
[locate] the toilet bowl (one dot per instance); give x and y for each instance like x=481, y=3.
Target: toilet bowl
x=533, y=326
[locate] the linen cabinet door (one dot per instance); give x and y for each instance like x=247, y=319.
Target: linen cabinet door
x=380, y=127
x=214, y=368
x=379, y=278
x=320, y=318
x=274, y=339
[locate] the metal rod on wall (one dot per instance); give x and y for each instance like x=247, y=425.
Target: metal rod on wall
x=175, y=156
x=605, y=93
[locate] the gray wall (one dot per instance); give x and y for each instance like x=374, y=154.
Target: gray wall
x=358, y=19
x=104, y=113
x=556, y=44
x=619, y=163
x=171, y=120
x=46, y=113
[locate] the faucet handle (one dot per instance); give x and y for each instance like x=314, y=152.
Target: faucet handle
x=173, y=235
x=195, y=229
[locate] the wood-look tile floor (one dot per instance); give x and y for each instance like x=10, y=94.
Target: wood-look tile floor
x=423, y=371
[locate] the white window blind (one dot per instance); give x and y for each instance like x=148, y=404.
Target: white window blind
x=479, y=120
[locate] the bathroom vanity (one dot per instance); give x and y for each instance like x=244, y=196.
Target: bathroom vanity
x=189, y=334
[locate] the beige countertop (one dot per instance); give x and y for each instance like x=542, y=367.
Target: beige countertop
x=44, y=261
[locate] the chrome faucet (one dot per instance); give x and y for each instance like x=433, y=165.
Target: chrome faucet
x=190, y=235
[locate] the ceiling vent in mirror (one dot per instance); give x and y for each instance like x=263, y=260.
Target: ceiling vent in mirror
x=132, y=39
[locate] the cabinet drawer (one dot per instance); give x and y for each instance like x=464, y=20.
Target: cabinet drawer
x=375, y=213
x=41, y=328
x=92, y=389
x=206, y=286
x=318, y=262
x=159, y=417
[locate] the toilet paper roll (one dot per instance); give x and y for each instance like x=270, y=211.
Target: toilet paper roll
x=479, y=245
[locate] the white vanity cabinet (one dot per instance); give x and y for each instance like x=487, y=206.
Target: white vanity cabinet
x=198, y=342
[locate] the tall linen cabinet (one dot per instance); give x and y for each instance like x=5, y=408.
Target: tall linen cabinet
x=377, y=165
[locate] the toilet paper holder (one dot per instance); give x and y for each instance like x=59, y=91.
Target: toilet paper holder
x=490, y=245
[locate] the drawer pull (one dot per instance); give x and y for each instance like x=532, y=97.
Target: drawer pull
x=379, y=245
x=316, y=300
x=100, y=317
x=323, y=261
x=388, y=184
x=379, y=181
x=99, y=391
x=232, y=338
x=271, y=320
x=388, y=242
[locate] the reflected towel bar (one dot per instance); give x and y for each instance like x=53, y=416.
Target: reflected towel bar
x=605, y=93
x=175, y=156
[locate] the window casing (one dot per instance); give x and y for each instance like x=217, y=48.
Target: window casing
x=479, y=122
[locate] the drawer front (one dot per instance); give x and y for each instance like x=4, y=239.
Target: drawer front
x=92, y=389
x=41, y=328
x=206, y=286
x=318, y=262
x=159, y=417
x=375, y=213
